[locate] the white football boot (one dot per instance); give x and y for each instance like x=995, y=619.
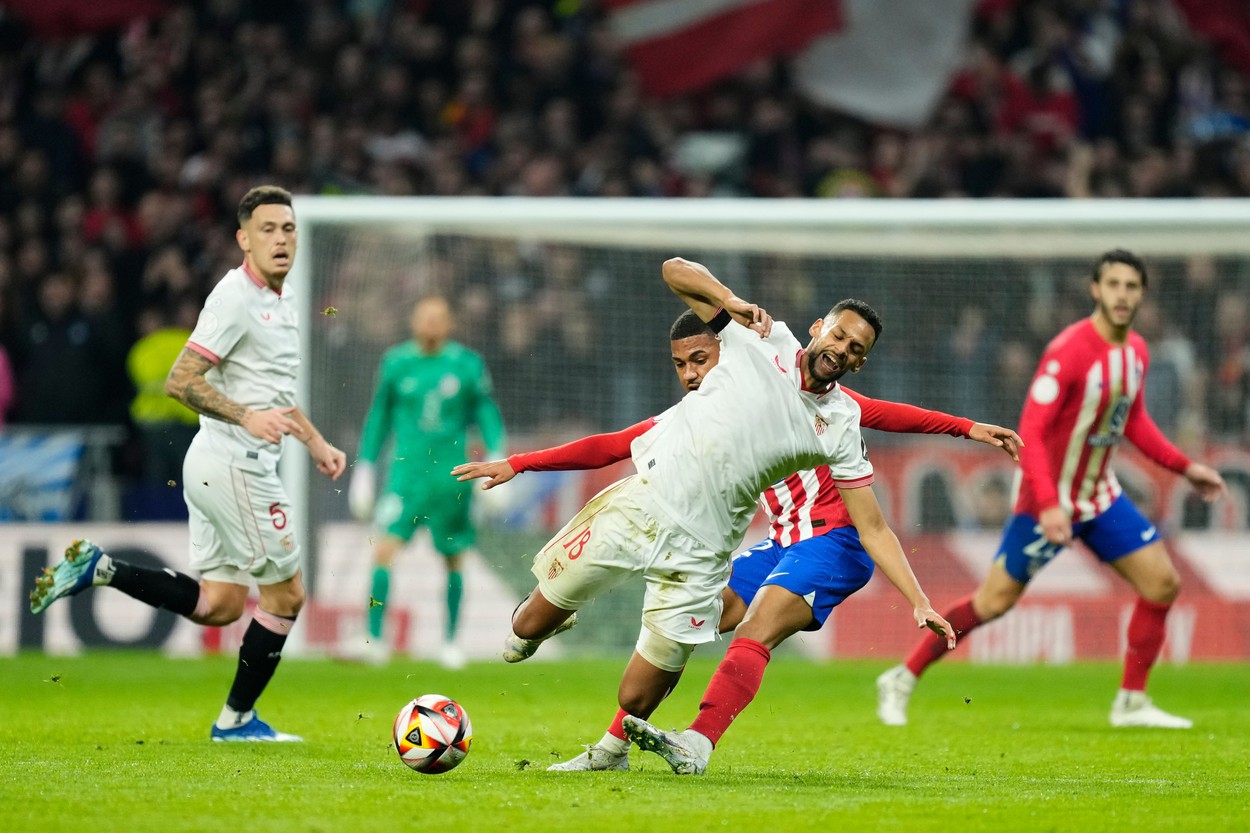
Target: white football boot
x=1133, y=708
x=894, y=688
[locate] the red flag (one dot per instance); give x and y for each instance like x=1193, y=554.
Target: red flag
x=677, y=46
x=1224, y=23
x=51, y=19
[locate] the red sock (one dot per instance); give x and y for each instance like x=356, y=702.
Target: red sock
x=616, y=730
x=732, y=687
x=1146, y=629
x=932, y=647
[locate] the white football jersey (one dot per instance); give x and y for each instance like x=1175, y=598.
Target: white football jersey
x=750, y=424
x=251, y=335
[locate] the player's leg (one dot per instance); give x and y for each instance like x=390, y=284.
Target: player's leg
x=259, y=654
x=604, y=544
x=86, y=565
x=251, y=515
x=1117, y=537
x=453, y=534
x=397, y=518
x=806, y=582
x=653, y=672
x=750, y=569
x=1024, y=550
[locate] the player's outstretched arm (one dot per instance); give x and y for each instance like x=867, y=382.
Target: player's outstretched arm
x=1004, y=438
x=330, y=461
x=702, y=292
x=187, y=384
x=495, y=472
x=883, y=548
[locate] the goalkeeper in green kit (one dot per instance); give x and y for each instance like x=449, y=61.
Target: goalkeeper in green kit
x=429, y=391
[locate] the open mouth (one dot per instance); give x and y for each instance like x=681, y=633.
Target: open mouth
x=828, y=365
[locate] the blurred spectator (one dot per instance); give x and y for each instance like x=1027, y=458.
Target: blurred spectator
x=123, y=154
x=166, y=426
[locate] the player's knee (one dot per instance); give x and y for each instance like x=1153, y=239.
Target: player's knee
x=662, y=652
x=991, y=604
x=222, y=612
x=1164, y=589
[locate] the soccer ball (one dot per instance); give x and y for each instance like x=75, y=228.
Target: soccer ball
x=432, y=733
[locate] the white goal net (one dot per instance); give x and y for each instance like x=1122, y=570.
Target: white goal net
x=564, y=300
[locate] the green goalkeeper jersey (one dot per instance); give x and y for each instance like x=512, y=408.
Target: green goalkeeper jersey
x=428, y=402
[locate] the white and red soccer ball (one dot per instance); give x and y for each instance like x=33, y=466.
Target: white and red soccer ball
x=432, y=734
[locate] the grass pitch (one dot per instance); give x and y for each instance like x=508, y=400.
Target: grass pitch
x=119, y=742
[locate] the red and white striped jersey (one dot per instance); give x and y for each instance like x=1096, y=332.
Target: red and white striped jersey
x=1086, y=396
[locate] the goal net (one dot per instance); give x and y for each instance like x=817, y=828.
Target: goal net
x=563, y=298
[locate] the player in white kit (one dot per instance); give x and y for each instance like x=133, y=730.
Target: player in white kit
x=771, y=407
x=238, y=372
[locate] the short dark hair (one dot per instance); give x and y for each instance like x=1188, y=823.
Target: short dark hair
x=1119, y=256
x=261, y=195
x=866, y=312
x=689, y=325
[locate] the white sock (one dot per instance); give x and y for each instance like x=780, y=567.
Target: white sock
x=700, y=742
x=612, y=744
x=230, y=719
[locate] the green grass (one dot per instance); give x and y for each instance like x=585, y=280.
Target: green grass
x=119, y=742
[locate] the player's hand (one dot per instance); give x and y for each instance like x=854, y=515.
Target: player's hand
x=1056, y=525
x=1004, y=438
x=330, y=461
x=927, y=617
x=270, y=425
x=749, y=315
x=496, y=472
x=1206, y=481
x=360, y=491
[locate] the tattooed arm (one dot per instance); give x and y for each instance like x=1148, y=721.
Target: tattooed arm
x=187, y=384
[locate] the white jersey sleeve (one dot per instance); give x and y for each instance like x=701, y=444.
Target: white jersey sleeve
x=221, y=325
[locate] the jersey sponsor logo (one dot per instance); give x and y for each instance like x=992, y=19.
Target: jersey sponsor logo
x=777, y=362
x=264, y=316
x=696, y=623
x=1044, y=390
x=1147, y=533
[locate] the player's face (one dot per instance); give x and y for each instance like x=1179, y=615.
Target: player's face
x=431, y=322
x=839, y=346
x=1118, y=293
x=693, y=357
x=268, y=240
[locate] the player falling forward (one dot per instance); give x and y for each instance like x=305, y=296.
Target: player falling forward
x=811, y=551
x=238, y=372
x=1085, y=398
x=771, y=408
x=430, y=389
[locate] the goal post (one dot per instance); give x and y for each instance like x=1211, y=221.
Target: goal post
x=564, y=300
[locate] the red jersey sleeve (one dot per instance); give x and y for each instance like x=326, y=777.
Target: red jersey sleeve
x=1142, y=431
x=1042, y=407
x=907, y=419
x=593, y=452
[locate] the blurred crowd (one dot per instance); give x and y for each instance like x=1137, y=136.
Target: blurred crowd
x=123, y=154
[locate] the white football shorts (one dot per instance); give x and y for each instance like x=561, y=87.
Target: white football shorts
x=617, y=535
x=241, y=524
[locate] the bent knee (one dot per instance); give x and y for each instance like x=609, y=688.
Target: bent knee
x=222, y=613
x=1163, y=590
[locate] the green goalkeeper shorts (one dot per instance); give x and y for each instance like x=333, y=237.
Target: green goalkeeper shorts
x=405, y=507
